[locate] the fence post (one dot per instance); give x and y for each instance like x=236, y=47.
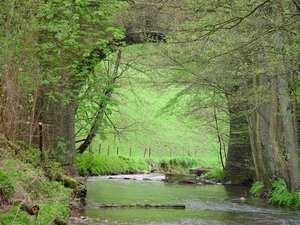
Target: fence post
x=99, y=150
x=117, y=150
x=145, y=152
x=42, y=156
x=149, y=152
x=130, y=152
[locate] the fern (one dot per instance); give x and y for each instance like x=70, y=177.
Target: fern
x=281, y=196
x=256, y=188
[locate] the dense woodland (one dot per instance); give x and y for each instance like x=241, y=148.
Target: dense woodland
x=235, y=65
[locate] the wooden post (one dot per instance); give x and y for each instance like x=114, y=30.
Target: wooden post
x=117, y=150
x=130, y=152
x=42, y=156
x=149, y=152
x=145, y=152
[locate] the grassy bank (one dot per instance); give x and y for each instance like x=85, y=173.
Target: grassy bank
x=22, y=182
x=97, y=164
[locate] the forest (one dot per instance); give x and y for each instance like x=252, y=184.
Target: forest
x=191, y=98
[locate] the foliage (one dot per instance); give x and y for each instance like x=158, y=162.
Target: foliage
x=141, y=122
x=216, y=173
x=280, y=195
x=6, y=187
x=96, y=164
x=31, y=184
x=178, y=165
x=256, y=188
x=48, y=212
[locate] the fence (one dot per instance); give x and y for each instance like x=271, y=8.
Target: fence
x=147, y=152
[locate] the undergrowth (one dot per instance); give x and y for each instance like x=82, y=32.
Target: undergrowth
x=256, y=188
x=217, y=174
x=278, y=194
x=22, y=182
x=177, y=165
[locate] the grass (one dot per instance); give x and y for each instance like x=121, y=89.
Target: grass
x=96, y=164
x=27, y=183
x=144, y=124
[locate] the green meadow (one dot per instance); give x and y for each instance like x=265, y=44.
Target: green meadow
x=142, y=127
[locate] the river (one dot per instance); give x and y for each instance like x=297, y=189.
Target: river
x=205, y=204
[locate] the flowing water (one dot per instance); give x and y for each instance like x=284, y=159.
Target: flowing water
x=205, y=205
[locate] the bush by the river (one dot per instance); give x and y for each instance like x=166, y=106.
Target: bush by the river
x=278, y=193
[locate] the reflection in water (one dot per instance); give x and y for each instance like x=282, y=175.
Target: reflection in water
x=206, y=205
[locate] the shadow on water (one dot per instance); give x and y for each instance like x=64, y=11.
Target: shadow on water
x=206, y=204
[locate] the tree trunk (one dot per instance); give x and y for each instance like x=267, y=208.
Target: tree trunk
x=239, y=164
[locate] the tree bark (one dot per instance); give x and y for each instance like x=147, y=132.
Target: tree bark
x=239, y=164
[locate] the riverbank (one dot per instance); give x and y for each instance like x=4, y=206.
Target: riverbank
x=95, y=164
x=23, y=186
x=30, y=195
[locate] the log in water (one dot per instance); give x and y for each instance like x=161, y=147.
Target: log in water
x=160, y=206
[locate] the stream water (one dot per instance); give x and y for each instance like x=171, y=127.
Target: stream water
x=205, y=205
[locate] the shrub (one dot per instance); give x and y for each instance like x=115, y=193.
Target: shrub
x=216, y=173
x=177, y=164
x=280, y=195
x=257, y=188
x=6, y=187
